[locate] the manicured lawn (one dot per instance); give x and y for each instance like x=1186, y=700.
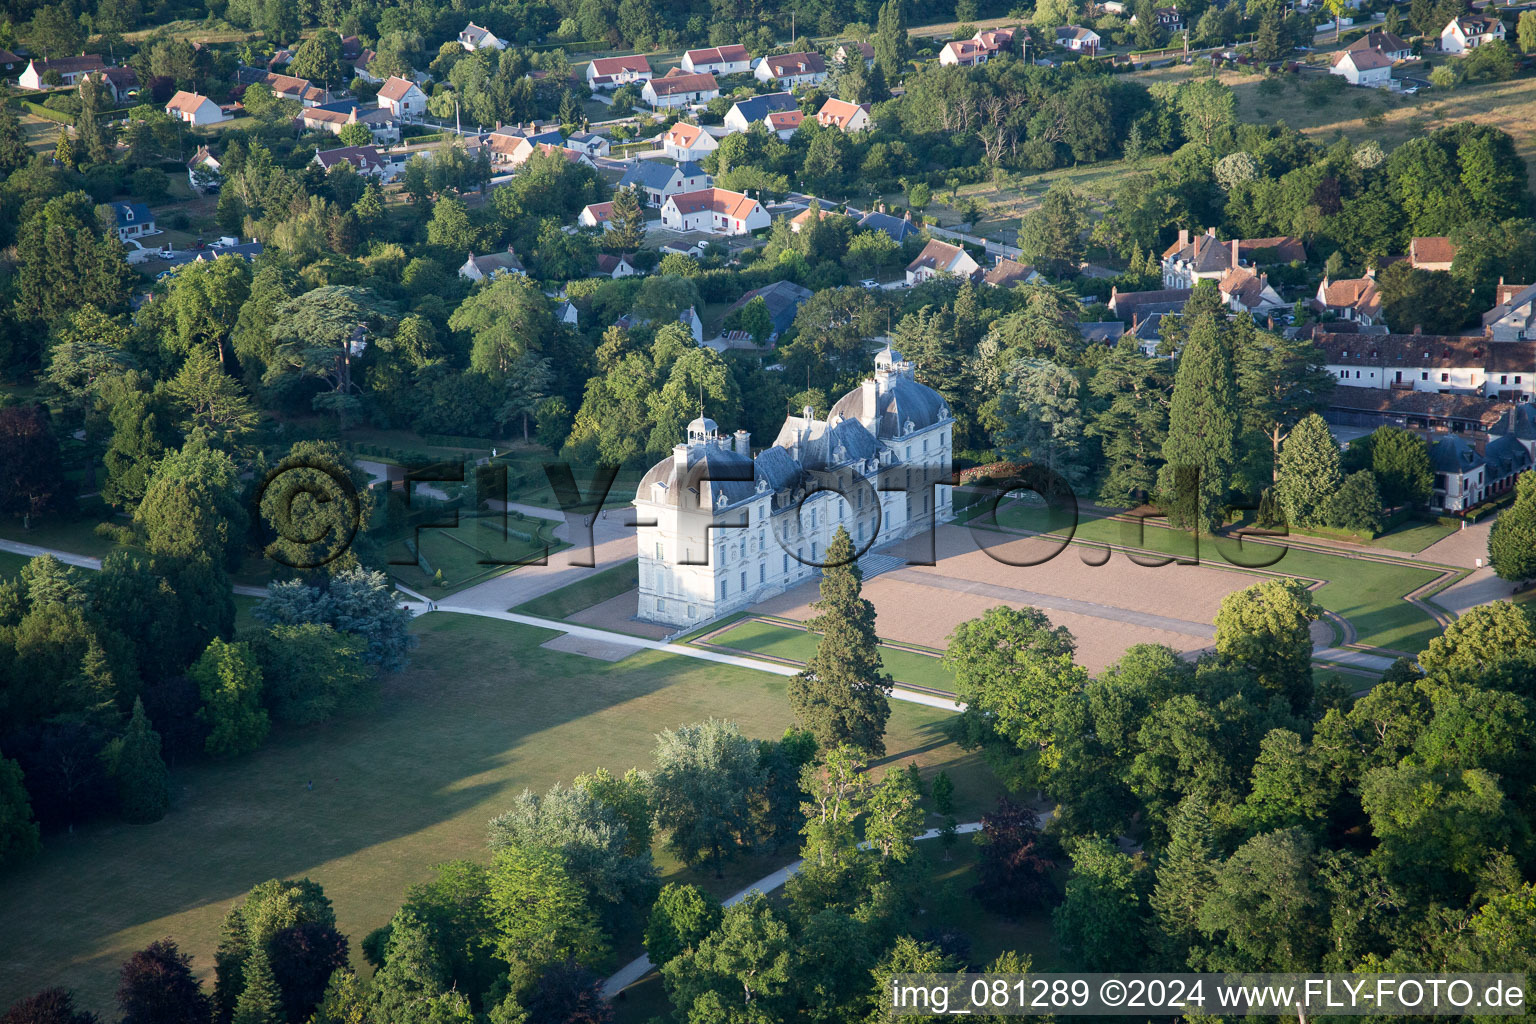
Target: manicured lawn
x=1416, y=536
x=482, y=713
x=474, y=551
x=798, y=645
x=11, y=564
x=1367, y=593
x=74, y=535
x=595, y=589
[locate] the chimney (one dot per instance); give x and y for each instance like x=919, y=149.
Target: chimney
x=680, y=456
x=881, y=207
x=1418, y=328
x=907, y=216
x=871, y=391
x=743, y=442
x=1183, y=236
x=1236, y=259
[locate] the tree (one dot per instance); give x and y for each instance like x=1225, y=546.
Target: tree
x=355, y=134
x=317, y=506
x=944, y=803
x=318, y=58
x=318, y=335
x=1038, y=418
x=1512, y=541
x=356, y=601
x=214, y=402
x=842, y=694
x=304, y=956
x=1201, y=449
x=629, y=797
x=50, y=1006
x=627, y=221
x=1101, y=918
x=251, y=926
x=1013, y=873
x=260, y=1002
x=740, y=972
x=229, y=680
x=706, y=775
x=541, y=913
x=157, y=986
x=1265, y=905
x=1185, y=873
x=1525, y=30
x=1280, y=382
x=31, y=470
x=1479, y=638
x=1437, y=828
x=143, y=789
x=18, y=832
x=1412, y=299
x=1206, y=108
x=1307, y=475
x=1357, y=505
x=680, y=919
x=193, y=507
x=891, y=44
x=1051, y=237
x=308, y=670
x=836, y=790
x=894, y=815
x=1399, y=459
x=1011, y=668
x=591, y=839
x=1267, y=628
x=55, y=31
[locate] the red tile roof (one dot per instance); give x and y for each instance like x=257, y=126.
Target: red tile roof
x=635, y=62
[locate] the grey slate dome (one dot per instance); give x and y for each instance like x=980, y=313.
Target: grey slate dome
x=708, y=472
x=702, y=427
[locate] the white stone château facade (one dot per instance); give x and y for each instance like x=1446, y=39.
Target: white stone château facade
x=721, y=530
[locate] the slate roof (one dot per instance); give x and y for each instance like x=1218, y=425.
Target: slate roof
x=758, y=107
x=783, y=299
x=132, y=213
x=656, y=174
x=1386, y=350
x=1452, y=454
x=899, y=228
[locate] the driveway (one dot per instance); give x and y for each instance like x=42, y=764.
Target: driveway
x=611, y=543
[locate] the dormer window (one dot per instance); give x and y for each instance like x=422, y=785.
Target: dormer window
x=722, y=500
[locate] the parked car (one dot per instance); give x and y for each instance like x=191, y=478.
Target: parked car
x=166, y=254
x=869, y=282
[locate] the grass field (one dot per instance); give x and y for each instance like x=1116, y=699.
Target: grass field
x=797, y=645
x=74, y=535
x=1367, y=593
x=474, y=551
x=595, y=589
x=483, y=712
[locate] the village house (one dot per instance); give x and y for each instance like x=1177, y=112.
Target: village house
x=133, y=220
x=784, y=123
x=899, y=229
x=1431, y=252
x=658, y=180
x=203, y=171
x=1469, y=31
x=362, y=67
x=782, y=299
x=403, y=98
x=849, y=117
x=70, y=70
x=195, y=110
x=615, y=267
x=1204, y=258
x=596, y=215
x=473, y=37
x=978, y=49
x=609, y=73
x=333, y=117
x=885, y=447
x=848, y=52
x=1245, y=290
x=362, y=159
x=1430, y=362
x=1388, y=44
x=942, y=258
x=1006, y=273
x=678, y=88
x=714, y=211
x=745, y=113
x=1078, y=39
x=1135, y=308
x=10, y=64
x=810, y=213
x=790, y=70
x=1363, y=67
x=718, y=60
x=287, y=87
x=119, y=83
x=686, y=142
x=1356, y=299
x=590, y=143
x=566, y=313
x=1510, y=318
x=484, y=268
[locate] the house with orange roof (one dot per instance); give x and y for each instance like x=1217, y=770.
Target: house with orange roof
x=1363, y=67
x=1355, y=298
x=714, y=211
x=686, y=142
x=844, y=54
x=611, y=72
x=403, y=98
x=942, y=258
x=596, y=215
x=678, y=88
x=849, y=117
x=784, y=123
x=193, y=109
x=718, y=60
x=1431, y=252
